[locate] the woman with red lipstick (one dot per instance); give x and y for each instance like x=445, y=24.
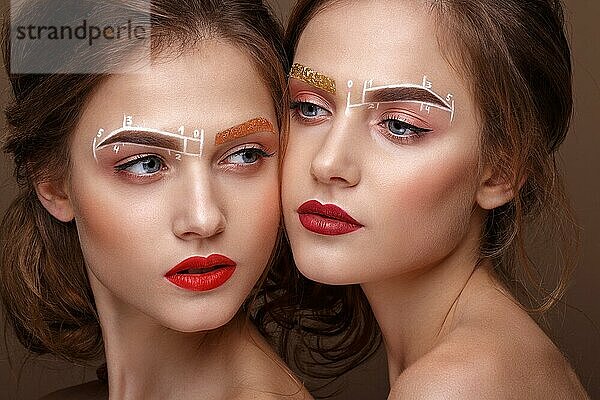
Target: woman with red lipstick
x=149, y=206
x=422, y=144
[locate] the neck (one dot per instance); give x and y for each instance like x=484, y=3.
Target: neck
x=147, y=360
x=417, y=309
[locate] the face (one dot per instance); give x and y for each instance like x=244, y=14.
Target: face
x=381, y=173
x=174, y=186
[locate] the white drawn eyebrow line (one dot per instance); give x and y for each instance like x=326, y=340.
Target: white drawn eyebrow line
x=434, y=105
x=409, y=86
x=146, y=130
x=123, y=144
x=407, y=92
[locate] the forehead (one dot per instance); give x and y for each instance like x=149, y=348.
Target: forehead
x=193, y=89
x=390, y=41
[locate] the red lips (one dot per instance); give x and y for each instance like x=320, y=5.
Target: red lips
x=326, y=219
x=202, y=273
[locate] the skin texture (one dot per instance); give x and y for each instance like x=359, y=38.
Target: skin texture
x=450, y=330
x=161, y=341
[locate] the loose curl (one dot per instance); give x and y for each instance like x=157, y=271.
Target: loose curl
x=515, y=58
x=525, y=106
x=43, y=282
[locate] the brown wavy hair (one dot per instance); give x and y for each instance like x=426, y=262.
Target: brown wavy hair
x=515, y=58
x=43, y=283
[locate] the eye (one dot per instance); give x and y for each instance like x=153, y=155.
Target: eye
x=310, y=110
x=143, y=165
x=246, y=156
x=307, y=110
x=401, y=128
x=395, y=128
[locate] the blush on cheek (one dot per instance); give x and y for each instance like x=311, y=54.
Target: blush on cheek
x=441, y=174
x=445, y=183
x=97, y=233
x=253, y=224
x=262, y=212
x=104, y=222
x=432, y=199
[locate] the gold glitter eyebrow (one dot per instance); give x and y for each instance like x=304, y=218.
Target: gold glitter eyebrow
x=313, y=78
x=254, y=125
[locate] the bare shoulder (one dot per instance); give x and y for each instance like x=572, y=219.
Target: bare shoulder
x=490, y=363
x=94, y=390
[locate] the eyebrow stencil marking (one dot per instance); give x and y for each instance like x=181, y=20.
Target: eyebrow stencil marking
x=254, y=125
x=149, y=137
x=313, y=78
x=372, y=96
x=178, y=142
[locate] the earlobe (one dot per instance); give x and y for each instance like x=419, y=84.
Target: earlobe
x=55, y=199
x=494, y=190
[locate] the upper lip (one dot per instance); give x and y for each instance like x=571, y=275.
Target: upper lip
x=197, y=262
x=327, y=210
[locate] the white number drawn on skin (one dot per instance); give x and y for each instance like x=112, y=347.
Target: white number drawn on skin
x=373, y=96
x=186, y=145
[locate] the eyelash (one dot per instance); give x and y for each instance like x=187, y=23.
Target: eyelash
x=296, y=115
x=140, y=158
x=417, y=132
x=261, y=153
x=384, y=128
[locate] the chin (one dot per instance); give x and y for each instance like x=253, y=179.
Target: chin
x=329, y=269
x=195, y=321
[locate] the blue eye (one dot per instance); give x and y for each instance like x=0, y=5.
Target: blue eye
x=250, y=155
x=308, y=110
x=146, y=165
x=401, y=128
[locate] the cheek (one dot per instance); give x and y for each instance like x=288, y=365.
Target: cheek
x=296, y=169
x=428, y=186
x=112, y=226
x=429, y=199
x=253, y=213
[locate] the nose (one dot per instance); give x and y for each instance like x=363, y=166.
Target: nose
x=198, y=213
x=336, y=162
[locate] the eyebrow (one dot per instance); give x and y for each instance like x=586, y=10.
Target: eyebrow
x=254, y=125
x=411, y=93
x=145, y=138
x=312, y=77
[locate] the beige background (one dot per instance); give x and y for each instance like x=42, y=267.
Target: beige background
x=576, y=330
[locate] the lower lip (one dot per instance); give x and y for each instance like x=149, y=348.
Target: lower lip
x=326, y=226
x=203, y=282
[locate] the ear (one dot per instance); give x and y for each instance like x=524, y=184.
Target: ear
x=54, y=198
x=495, y=190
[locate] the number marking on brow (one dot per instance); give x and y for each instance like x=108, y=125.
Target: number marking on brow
x=176, y=142
x=146, y=137
x=372, y=96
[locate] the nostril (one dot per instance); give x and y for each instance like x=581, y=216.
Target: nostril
x=338, y=179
